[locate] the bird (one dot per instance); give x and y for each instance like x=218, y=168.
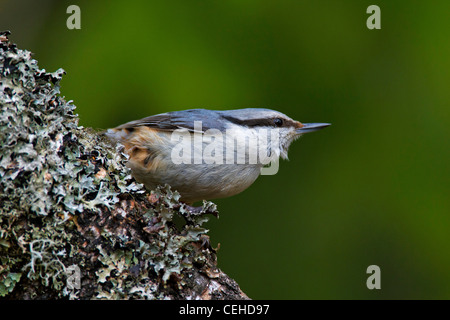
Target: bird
x=207, y=154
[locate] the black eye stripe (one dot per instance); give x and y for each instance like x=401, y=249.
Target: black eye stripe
x=266, y=122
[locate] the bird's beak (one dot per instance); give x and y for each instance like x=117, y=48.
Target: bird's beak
x=310, y=127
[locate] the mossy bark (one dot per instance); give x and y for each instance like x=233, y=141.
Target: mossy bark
x=74, y=224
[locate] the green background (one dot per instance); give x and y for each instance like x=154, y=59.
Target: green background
x=371, y=189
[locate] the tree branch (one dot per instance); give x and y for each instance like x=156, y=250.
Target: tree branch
x=73, y=222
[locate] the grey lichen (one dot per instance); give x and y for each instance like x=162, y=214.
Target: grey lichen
x=67, y=198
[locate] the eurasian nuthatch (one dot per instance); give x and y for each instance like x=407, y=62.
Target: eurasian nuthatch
x=207, y=154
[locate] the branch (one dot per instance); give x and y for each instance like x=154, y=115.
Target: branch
x=73, y=222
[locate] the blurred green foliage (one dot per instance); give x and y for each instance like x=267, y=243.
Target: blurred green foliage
x=371, y=189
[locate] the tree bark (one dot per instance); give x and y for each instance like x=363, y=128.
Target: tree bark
x=74, y=224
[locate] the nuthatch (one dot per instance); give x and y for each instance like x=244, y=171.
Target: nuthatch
x=207, y=154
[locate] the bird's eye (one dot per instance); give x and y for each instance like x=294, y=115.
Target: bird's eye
x=278, y=122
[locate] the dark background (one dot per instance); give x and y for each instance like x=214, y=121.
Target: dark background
x=371, y=189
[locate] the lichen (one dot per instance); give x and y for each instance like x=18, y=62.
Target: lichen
x=67, y=198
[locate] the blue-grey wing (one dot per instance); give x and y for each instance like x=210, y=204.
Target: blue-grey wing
x=184, y=119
